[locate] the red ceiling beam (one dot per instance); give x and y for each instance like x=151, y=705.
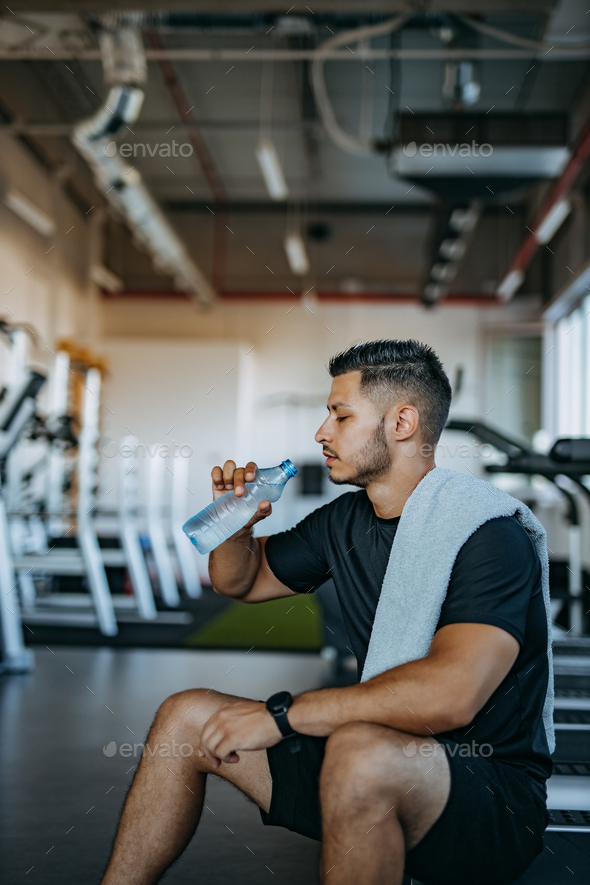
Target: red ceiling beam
x=528, y=248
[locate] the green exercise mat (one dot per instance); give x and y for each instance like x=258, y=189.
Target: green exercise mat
x=291, y=623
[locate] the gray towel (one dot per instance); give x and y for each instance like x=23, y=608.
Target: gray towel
x=443, y=511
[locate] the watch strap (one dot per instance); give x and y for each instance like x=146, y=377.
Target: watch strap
x=283, y=724
x=277, y=705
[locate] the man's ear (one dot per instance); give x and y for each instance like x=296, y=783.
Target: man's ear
x=402, y=420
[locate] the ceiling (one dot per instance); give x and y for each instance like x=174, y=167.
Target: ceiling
x=365, y=229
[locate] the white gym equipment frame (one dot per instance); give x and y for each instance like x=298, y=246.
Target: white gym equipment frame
x=129, y=534
x=15, y=658
x=16, y=408
x=167, y=541
x=88, y=559
x=178, y=516
x=157, y=532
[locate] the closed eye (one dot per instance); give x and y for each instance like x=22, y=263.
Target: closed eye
x=343, y=418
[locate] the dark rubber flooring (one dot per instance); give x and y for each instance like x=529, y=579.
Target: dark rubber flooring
x=60, y=795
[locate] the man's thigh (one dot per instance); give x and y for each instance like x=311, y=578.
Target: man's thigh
x=378, y=769
x=491, y=828
x=368, y=762
x=191, y=710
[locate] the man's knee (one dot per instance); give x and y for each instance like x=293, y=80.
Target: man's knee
x=365, y=761
x=188, y=711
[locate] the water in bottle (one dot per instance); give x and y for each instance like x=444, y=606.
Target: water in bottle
x=228, y=514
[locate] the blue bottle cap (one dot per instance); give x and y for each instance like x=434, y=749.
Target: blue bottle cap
x=289, y=467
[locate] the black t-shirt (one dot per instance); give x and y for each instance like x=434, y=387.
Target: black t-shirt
x=496, y=579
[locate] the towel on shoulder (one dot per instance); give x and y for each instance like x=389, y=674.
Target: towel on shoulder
x=446, y=507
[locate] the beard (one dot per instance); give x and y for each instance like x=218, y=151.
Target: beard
x=371, y=462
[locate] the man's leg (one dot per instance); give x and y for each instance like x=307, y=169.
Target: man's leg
x=377, y=802
x=165, y=801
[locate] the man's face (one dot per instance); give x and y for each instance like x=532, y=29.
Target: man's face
x=353, y=435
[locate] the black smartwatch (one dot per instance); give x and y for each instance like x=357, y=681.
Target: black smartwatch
x=277, y=705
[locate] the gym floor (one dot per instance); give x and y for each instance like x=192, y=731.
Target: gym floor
x=61, y=795
x=64, y=778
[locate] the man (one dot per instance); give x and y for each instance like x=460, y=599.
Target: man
x=387, y=773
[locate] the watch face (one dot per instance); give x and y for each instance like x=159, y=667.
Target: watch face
x=282, y=700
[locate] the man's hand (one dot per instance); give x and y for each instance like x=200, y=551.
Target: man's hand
x=229, y=477
x=246, y=725
x=238, y=568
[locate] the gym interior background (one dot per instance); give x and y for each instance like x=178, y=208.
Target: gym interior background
x=198, y=206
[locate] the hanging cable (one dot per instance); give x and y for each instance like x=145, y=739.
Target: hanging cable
x=349, y=143
x=367, y=104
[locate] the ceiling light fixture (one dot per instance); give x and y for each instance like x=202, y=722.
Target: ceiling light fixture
x=105, y=278
x=553, y=221
x=272, y=172
x=34, y=217
x=510, y=284
x=443, y=271
x=464, y=220
x=452, y=249
x=459, y=82
x=296, y=254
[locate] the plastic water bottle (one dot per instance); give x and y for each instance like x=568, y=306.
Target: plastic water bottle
x=228, y=514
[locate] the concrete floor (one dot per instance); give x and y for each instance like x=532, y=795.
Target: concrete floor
x=60, y=795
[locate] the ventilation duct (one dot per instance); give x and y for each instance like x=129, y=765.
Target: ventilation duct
x=124, y=68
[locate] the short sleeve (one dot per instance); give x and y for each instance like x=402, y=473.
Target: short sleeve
x=296, y=557
x=496, y=573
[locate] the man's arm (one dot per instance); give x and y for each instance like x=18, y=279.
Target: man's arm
x=438, y=693
x=238, y=567
x=443, y=691
x=240, y=570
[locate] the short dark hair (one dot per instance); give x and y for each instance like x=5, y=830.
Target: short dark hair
x=391, y=370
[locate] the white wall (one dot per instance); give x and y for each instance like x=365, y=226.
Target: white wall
x=164, y=393
x=42, y=279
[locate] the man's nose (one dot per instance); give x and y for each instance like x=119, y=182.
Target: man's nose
x=322, y=434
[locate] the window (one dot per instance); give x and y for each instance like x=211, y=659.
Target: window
x=513, y=388
x=567, y=382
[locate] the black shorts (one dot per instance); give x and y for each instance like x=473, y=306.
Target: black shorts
x=488, y=834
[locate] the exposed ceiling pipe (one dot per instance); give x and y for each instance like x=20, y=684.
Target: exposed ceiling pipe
x=203, y=155
x=349, y=143
x=536, y=235
x=559, y=53
x=536, y=46
x=124, y=69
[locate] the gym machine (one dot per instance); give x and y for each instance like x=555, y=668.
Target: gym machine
x=17, y=406
x=69, y=467
x=87, y=559
x=568, y=458
x=157, y=533
x=568, y=461
x=178, y=514
x=52, y=515
x=165, y=512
